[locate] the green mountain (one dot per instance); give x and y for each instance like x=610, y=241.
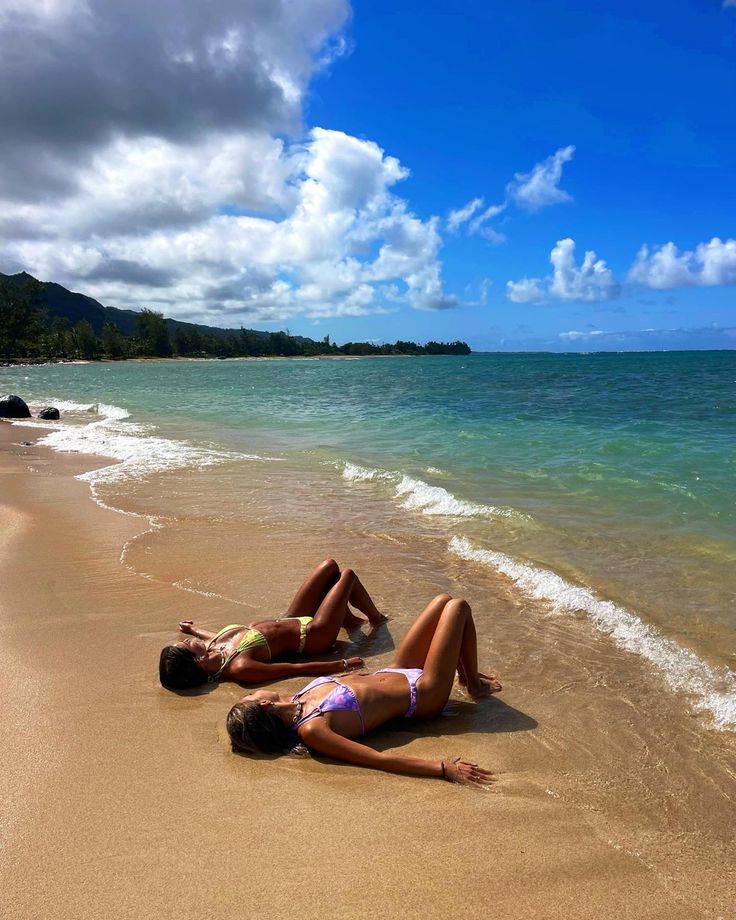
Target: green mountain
x=64, y=304
x=41, y=320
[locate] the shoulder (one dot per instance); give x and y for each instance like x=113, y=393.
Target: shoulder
x=313, y=730
x=243, y=668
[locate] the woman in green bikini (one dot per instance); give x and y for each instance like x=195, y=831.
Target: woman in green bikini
x=248, y=654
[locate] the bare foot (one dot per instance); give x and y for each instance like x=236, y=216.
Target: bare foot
x=378, y=618
x=351, y=621
x=485, y=685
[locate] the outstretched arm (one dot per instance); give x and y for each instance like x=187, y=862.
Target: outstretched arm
x=317, y=735
x=256, y=672
x=187, y=626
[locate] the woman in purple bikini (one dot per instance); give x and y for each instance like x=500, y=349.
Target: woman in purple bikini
x=328, y=714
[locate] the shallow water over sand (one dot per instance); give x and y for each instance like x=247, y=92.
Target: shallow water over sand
x=613, y=472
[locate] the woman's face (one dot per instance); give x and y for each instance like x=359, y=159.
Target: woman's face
x=260, y=696
x=197, y=646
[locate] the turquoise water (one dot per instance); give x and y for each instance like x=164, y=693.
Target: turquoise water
x=649, y=437
x=613, y=472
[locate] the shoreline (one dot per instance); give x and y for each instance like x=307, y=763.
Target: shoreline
x=182, y=358
x=103, y=788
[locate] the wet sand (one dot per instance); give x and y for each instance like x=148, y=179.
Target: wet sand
x=121, y=800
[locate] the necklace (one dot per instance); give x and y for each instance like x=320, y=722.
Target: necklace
x=298, y=714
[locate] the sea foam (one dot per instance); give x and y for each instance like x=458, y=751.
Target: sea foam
x=712, y=690
x=112, y=435
x=417, y=495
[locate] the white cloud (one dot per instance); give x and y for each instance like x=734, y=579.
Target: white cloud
x=477, y=223
x=540, y=187
x=144, y=163
x=455, y=219
x=528, y=290
x=574, y=334
x=590, y=282
x=704, y=337
x=530, y=191
x=74, y=75
x=665, y=267
x=314, y=228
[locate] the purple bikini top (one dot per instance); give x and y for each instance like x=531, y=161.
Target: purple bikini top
x=342, y=698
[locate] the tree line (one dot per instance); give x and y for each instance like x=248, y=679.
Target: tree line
x=28, y=333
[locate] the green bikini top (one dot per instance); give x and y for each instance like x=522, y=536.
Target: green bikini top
x=253, y=638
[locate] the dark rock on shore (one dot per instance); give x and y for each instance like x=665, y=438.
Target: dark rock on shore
x=49, y=413
x=13, y=407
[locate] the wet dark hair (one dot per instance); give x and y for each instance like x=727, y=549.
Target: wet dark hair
x=178, y=669
x=256, y=729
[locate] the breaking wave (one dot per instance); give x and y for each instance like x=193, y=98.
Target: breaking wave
x=712, y=690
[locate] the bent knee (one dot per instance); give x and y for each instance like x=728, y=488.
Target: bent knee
x=443, y=598
x=459, y=605
x=329, y=566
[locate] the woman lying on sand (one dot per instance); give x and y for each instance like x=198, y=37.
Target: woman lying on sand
x=328, y=713
x=246, y=653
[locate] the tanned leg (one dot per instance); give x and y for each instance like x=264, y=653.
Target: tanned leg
x=331, y=614
x=415, y=644
x=453, y=644
x=361, y=600
x=314, y=590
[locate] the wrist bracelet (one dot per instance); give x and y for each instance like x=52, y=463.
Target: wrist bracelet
x=345, y=665
x=442, y=766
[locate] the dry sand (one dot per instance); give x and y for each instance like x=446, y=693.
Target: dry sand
x=121, y=800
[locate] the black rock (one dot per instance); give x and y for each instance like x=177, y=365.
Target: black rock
x=13, y=407
x=49, y=413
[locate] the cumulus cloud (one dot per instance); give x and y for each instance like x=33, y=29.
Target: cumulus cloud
x=76, y=74
x=335, y=236
x=665, y=267
x=540, y=187
x=591, y=281
x=147, y=162
x=528, y=290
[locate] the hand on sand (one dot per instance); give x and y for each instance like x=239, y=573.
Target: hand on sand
x=485, y=685
x=354, y=663
x=468, y=774
x=186, y=626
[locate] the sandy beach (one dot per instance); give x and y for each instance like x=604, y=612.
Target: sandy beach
x=122, y=800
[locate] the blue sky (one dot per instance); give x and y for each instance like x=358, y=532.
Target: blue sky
x=353, y=199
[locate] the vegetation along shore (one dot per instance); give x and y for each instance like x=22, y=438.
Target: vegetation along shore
x=43, y=321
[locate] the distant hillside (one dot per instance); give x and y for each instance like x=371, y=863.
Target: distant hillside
x=43, y=321
x=64, y=304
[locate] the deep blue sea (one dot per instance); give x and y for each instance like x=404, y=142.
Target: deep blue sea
x=597, y=483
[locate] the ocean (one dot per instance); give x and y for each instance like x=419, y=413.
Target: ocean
x=597, y=489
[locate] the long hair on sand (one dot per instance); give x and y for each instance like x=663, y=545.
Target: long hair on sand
x=255, y=729
x=178, y=669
